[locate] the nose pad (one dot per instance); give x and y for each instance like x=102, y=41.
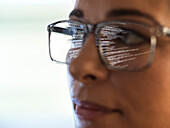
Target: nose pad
x=88, y=67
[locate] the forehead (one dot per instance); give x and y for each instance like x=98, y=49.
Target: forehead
x=107, y=4
x=96, y=10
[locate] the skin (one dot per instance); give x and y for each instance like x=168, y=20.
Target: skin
x=142, y=96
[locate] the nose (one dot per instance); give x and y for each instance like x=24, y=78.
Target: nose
x=88, y=67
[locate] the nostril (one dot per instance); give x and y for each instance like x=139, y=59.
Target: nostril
x=89, y=77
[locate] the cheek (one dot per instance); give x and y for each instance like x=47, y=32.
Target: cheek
x=70, y=81
x=161, y=66
x=147, y=93
x=149, y=90
x=75, y=87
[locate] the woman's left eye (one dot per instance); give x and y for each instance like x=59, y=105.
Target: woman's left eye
x=132, y=38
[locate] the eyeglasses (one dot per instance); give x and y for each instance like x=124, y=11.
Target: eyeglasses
x=122, y=45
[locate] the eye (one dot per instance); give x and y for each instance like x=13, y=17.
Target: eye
x=129, y=37
x=124, y=36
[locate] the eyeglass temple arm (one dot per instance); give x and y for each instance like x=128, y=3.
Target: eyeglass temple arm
x=166, y=31
x=60, y=30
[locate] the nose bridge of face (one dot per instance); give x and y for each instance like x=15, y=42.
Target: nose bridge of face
x=88, y=64
x=89, y=43
x=89, y=47
x=90, y=39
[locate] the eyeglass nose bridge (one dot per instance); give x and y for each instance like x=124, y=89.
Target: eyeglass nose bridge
x=91, y=28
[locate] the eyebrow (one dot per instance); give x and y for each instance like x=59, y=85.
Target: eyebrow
x=77, y=12
x=129, y=12
x=116, y=13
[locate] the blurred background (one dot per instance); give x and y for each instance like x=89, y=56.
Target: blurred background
x=33, y=89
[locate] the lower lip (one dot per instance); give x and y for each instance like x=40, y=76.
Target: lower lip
x=89, y=114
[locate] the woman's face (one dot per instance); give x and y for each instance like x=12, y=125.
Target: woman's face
x=103, y=98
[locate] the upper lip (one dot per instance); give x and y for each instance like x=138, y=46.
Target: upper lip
x=93, y=106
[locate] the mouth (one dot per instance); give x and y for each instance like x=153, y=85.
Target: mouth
x=91, y=111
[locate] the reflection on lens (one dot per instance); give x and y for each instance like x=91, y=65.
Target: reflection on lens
x=74, y=50
x=119, y=53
